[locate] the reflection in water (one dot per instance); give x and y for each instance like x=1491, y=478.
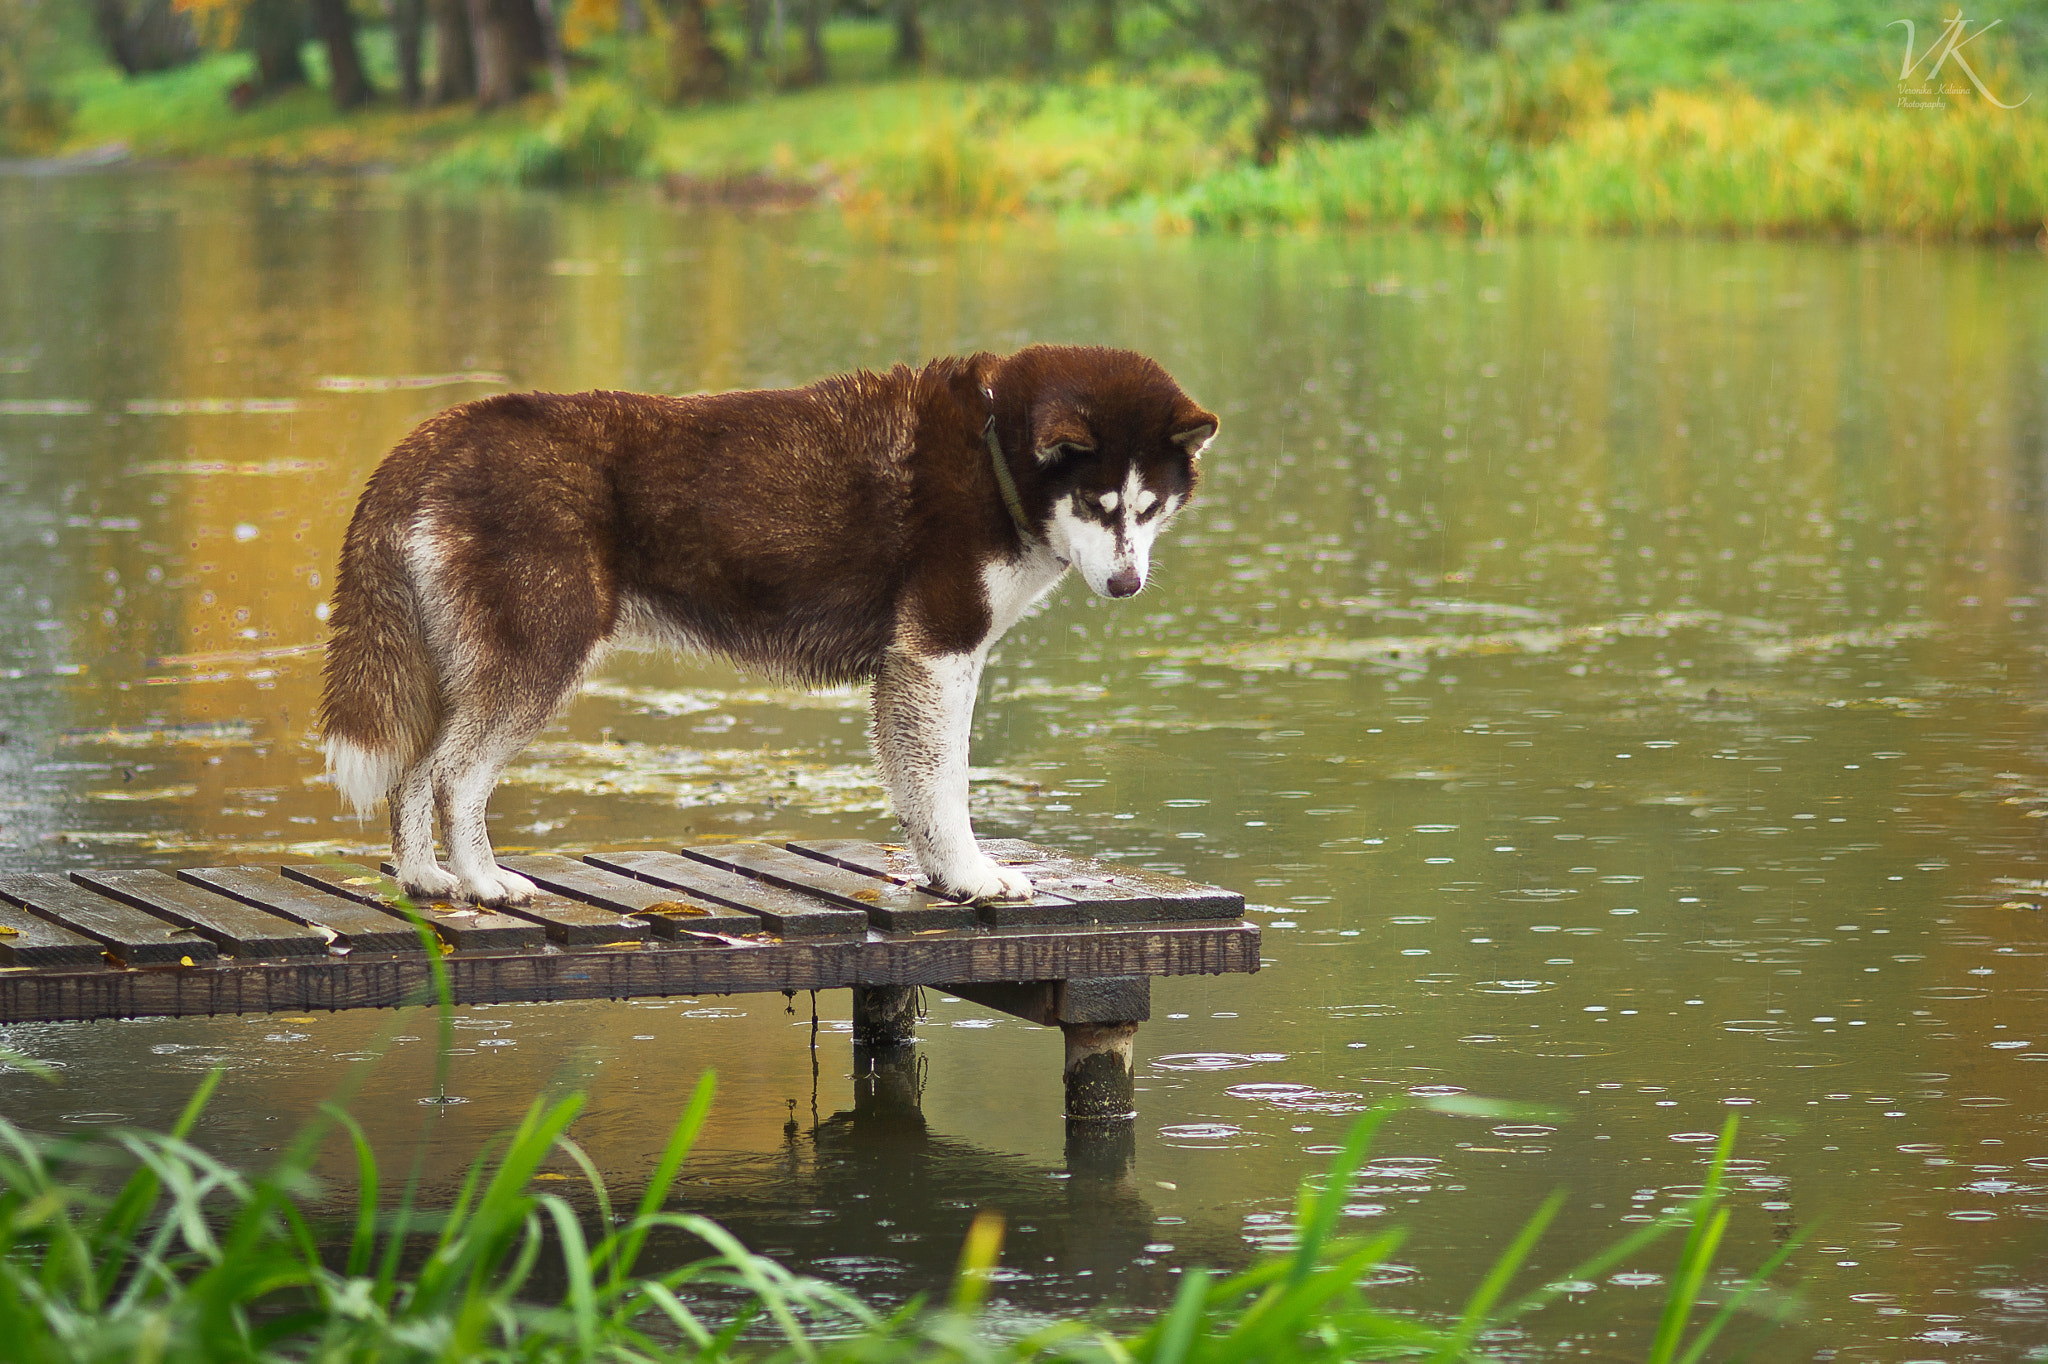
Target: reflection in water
x=1615, y=666
x=874, y=1198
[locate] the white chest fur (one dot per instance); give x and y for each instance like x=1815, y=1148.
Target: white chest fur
x=1014, y=586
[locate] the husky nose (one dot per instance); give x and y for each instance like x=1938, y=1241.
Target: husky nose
x=1125, y=582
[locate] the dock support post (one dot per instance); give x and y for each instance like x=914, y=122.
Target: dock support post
x=884, y=1016
x=1100, y=1082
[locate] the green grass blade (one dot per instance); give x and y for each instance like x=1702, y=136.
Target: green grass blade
x=363, y=1239
x=591, y=1177
x=582, y=1304
x=1480, y=1306
x=623, y=1252
x=1318, y=1211
x=1590, y=1268
x=117, y=1227
x=1686, y=1282
x=1177, y=1331
x=1748, y=1286
x=682, y=1317
x=1695, y=1258
x=980, y=1249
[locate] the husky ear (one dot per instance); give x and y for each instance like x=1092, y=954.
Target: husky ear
x=1193, y=432
x=1058, y=427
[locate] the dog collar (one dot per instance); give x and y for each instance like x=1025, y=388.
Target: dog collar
x=1004, y=479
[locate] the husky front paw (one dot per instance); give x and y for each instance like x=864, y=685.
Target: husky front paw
x=986, y=881
x=429, y=883
x=498, y=886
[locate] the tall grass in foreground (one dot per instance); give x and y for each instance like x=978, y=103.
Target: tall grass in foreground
x=189, y=1260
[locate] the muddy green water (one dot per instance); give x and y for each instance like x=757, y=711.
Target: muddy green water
x=1617, y=668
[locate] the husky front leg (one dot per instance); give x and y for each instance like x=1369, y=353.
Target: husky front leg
x=924, y=709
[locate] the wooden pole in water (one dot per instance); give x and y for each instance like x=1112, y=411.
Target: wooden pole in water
x=884, y=1016
x=1100, y=1083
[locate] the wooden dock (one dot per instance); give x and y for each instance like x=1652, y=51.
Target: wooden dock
x=727, y=918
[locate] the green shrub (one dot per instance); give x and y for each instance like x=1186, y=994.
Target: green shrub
x=602, y=132
x=33, y=117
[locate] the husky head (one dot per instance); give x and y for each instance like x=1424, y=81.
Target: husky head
x=1107, y=455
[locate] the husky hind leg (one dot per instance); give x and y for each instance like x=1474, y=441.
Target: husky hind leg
x=511, y=642
x=412, y=836
x=461, y=772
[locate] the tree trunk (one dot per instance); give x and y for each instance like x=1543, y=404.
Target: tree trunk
x=1337, y=94
x=698, y=67
x=454, y=57
x=336, y=28
x=496, y=46
x=1041, y=37
x=531, y=34
x=1105, y=29
x=755, y=16
x=909, y=35
x=812, y=72
x=407, y=21
x=152, y=37
x=551, y=48
x=272, y=30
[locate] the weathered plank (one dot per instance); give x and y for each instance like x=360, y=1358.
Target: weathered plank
x=234, y=927
x=782, y=911
x=26, y=940
x=943, y=960
x=355, y=925
x=1111, y=999
x=888, y=903
x=896, y=864
x=571, y=924
x=465, y=928
x=1111, y=892
x=668, y=912
x=135, y=938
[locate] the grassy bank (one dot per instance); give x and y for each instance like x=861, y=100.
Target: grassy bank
x=137, y=1246
x=1629, y=127
x=1725, y=163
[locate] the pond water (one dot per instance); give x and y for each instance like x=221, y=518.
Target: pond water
x=1616, y=669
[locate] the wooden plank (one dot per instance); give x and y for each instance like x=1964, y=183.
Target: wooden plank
x=464, y=927
x=26, y=940
x=1110, y=999
x=135, y=938
x=356, y=926
x=942, y=960
x=236, y=928
x=888, y=903
x=1111, y=892
x=895, y=863
x=668, y=912
x=785, y=912
x=572, y=924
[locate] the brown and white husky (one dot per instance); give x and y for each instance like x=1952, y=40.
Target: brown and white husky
x=885, y=527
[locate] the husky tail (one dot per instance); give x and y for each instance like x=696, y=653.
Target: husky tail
x=381, y=704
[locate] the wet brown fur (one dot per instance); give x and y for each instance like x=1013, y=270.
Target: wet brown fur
x=801, y=531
